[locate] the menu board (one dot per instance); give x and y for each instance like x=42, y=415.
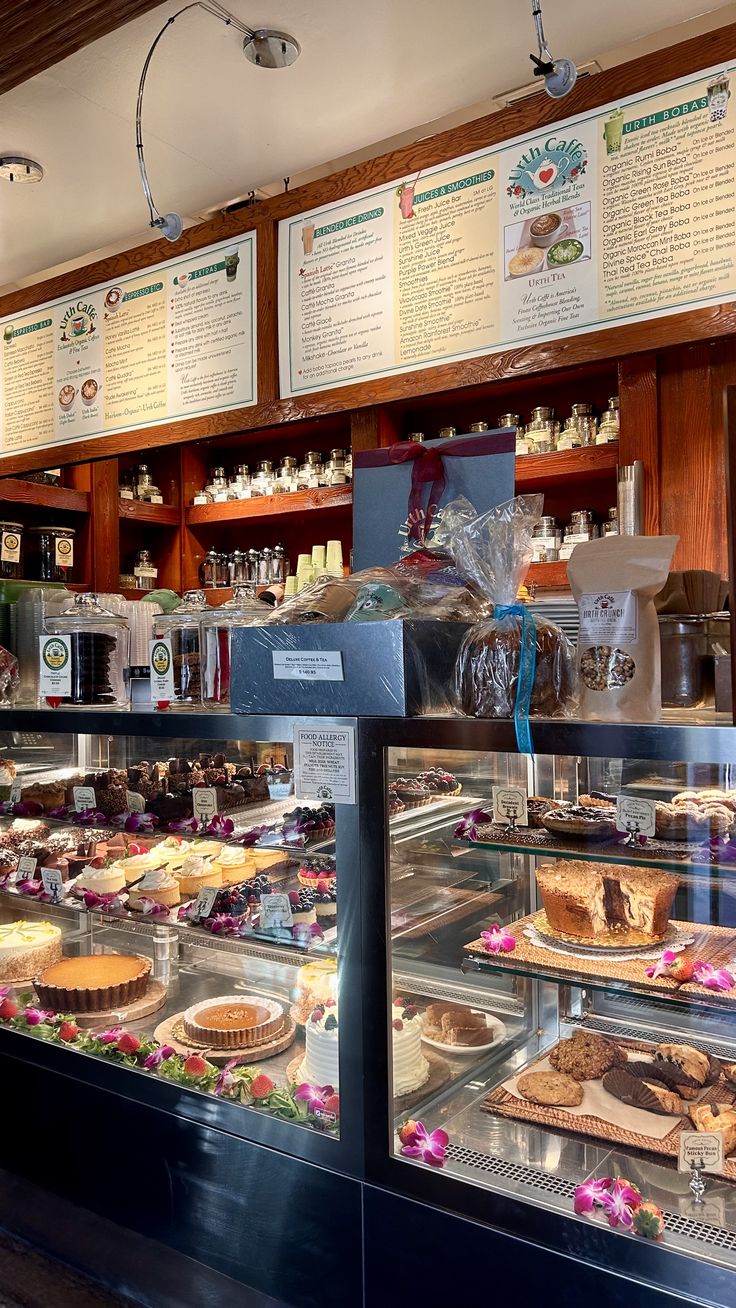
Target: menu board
x=176, y=340
x=624, y=213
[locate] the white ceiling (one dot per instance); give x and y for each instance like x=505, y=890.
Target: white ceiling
x=216, y=127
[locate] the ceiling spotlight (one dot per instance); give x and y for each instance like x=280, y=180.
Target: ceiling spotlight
x=560, y=75
x=264, y=48
x=15, y=168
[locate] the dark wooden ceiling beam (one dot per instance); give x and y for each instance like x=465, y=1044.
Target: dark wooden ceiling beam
x=39, y=33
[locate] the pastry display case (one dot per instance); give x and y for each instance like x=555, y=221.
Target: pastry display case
x=559, y=1029
x=169, y=917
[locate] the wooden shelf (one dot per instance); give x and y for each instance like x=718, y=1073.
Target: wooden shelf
x=324, y=499
x=570, y=466
x=35, y=495
x=155, y=515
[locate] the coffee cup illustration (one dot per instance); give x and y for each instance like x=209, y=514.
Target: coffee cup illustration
x=547, y=172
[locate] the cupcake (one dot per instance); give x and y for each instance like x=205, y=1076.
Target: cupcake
x=195, y=873
x=160, y=886
x=233, y=864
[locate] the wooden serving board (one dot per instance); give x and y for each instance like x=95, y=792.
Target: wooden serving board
x=504, y=1104
x=712, y=944
x=171, y=1032
x=154, y=998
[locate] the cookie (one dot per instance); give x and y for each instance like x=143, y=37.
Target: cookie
x=652, y=1095
x=586, y=1056
x=550, y=1088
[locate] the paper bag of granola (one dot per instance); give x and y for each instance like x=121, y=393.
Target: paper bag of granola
x=614, y=581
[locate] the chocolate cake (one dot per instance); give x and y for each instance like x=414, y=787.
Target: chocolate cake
x=604, y=901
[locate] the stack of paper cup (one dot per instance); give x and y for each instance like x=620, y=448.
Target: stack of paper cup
x=319, y=553
x=334, y=558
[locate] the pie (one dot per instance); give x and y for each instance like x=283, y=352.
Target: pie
x=550, y=1088
x=93, y=983
x=583, y=821
x=234, y=1021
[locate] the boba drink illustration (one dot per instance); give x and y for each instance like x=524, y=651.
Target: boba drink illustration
x=232, y=259
x=718, y=97
x=613, y=130
x=405, y=193
x=308, y=238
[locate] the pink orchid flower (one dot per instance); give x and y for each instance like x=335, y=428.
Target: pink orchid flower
x=467, y=827
x=185, y=824
x=619, y=1204
x=430, y=1148
x=34, y=1016
x=106, y=902
x=590, y=1195
x=111, y=1036
x=151, y=908
x=220, y=827
x=225, y=1080
x=314, y=1095
x=4, y=992
x=666, y=960
x=498, y=939
x=158, y=1056
x=713, y=978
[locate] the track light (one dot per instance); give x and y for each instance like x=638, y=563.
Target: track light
x=264, y=48
x=560, y=75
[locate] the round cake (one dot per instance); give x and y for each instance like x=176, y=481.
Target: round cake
x=411, y=1069
x=25, y=947
x=102, y=880
x=232, y=864
x=320, y=1065
x=195, y=873
x=234, y=1021
x=317, y=874
x=160, y=886
x=93, y=983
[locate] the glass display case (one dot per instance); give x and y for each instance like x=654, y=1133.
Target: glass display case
x=561, y=987
x=169, y=908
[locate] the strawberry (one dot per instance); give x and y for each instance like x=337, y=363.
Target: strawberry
x=681, y=970
x=407, y=1131
x=261, y=1086
x=8, y=1009
x=397, y=1024
x=128, y=1044
x=68, y=1031
x=195, y=1065
x=332, y=1104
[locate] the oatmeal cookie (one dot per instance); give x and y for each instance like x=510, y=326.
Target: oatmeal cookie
x=551, y=1088
x=586, y=1056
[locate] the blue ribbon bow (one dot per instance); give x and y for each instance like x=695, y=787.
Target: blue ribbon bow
x=527, y=667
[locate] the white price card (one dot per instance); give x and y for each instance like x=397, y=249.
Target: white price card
x=637, y=816
x=15, y=793
x=135, y=803
x=275, y=912
x=53, y=883
x=26, y=867
x=702, y=1150
x=509, y=805
x=324, y=763
x=161, y=659
x=55, y=661
x=84, y=797
x=307, y=665
x=204, y=803
x=204, y=901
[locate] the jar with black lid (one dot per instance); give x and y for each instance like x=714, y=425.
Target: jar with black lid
x=11, y=540
x=50, y=553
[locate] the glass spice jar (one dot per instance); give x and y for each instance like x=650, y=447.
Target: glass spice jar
x=11, y=541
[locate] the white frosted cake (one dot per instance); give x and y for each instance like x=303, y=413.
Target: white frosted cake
x=320, y=1065
x=102, y=880
x=26, y=948
x=411, y=1068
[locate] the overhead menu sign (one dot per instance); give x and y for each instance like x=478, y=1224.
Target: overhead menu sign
x=624, y=213
x=177, y=340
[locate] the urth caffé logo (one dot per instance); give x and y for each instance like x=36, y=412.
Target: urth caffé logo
x=605, y=601
x=549, y=166
x=78, y=321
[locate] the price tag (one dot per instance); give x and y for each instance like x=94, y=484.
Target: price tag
x=204, y=802
x=200, y=499
x=161, y=659
x=26, y=867
x=204, y=901
x=134, y=802
x=84, y=797
x=636, y=815
x=275, y=912
x=701, y=1149
x=126, y=494
x=509, y=805
x=15, y=793
x=324, y=763
x=52, y=883
x=55, y=656
x=155, y=499
x=307, y=665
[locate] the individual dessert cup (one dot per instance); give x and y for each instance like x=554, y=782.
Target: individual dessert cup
x=160, y=886
x=320, y=1065
x=102, y=880
x=194, y=874
x=233, y=864
x=234, y=1021
x=325, y=904
x=605, y=903
x=317, y=874
x=26, y=948
x=93, y=983
x=173, y=850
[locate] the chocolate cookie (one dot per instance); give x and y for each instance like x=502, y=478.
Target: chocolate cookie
x=550, y=1088
x=652, y=1095
x=586, y=1056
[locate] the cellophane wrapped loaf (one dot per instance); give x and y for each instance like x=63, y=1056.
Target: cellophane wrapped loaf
x=494, y=550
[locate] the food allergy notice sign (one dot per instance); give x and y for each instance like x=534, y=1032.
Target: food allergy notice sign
x=324, y=764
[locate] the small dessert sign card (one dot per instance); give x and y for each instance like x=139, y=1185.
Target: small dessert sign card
x=637, y=816
x=701, y=1151
x=204, y=803
x=509, y=806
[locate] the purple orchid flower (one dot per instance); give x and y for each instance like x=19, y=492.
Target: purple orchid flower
x=498, y=939
x=34, y=1016
x=27, y=808
x=151, y=908
x=306, y=931
x=225, y=1080
x=88, y=817
x=111, y=901
x=158, y=1057
x=252, y=836
x=313, y=1095
x=220, y=827
x=184, y=824
x=713, y=978
x=619, y=1204
x=222, y=924
x=666, y=960
x=720, y=849
x=59, y=814
x=29, y=886
x=590, y=1195
x=133, y=822
x=111, y=1036
x=429, y=1147
x=6, y=880
x=467, y=827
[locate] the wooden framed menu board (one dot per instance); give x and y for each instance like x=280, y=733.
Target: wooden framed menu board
x=623, y=213
x=175, y=340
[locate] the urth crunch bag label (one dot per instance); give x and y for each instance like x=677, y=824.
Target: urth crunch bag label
x=614, y=581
